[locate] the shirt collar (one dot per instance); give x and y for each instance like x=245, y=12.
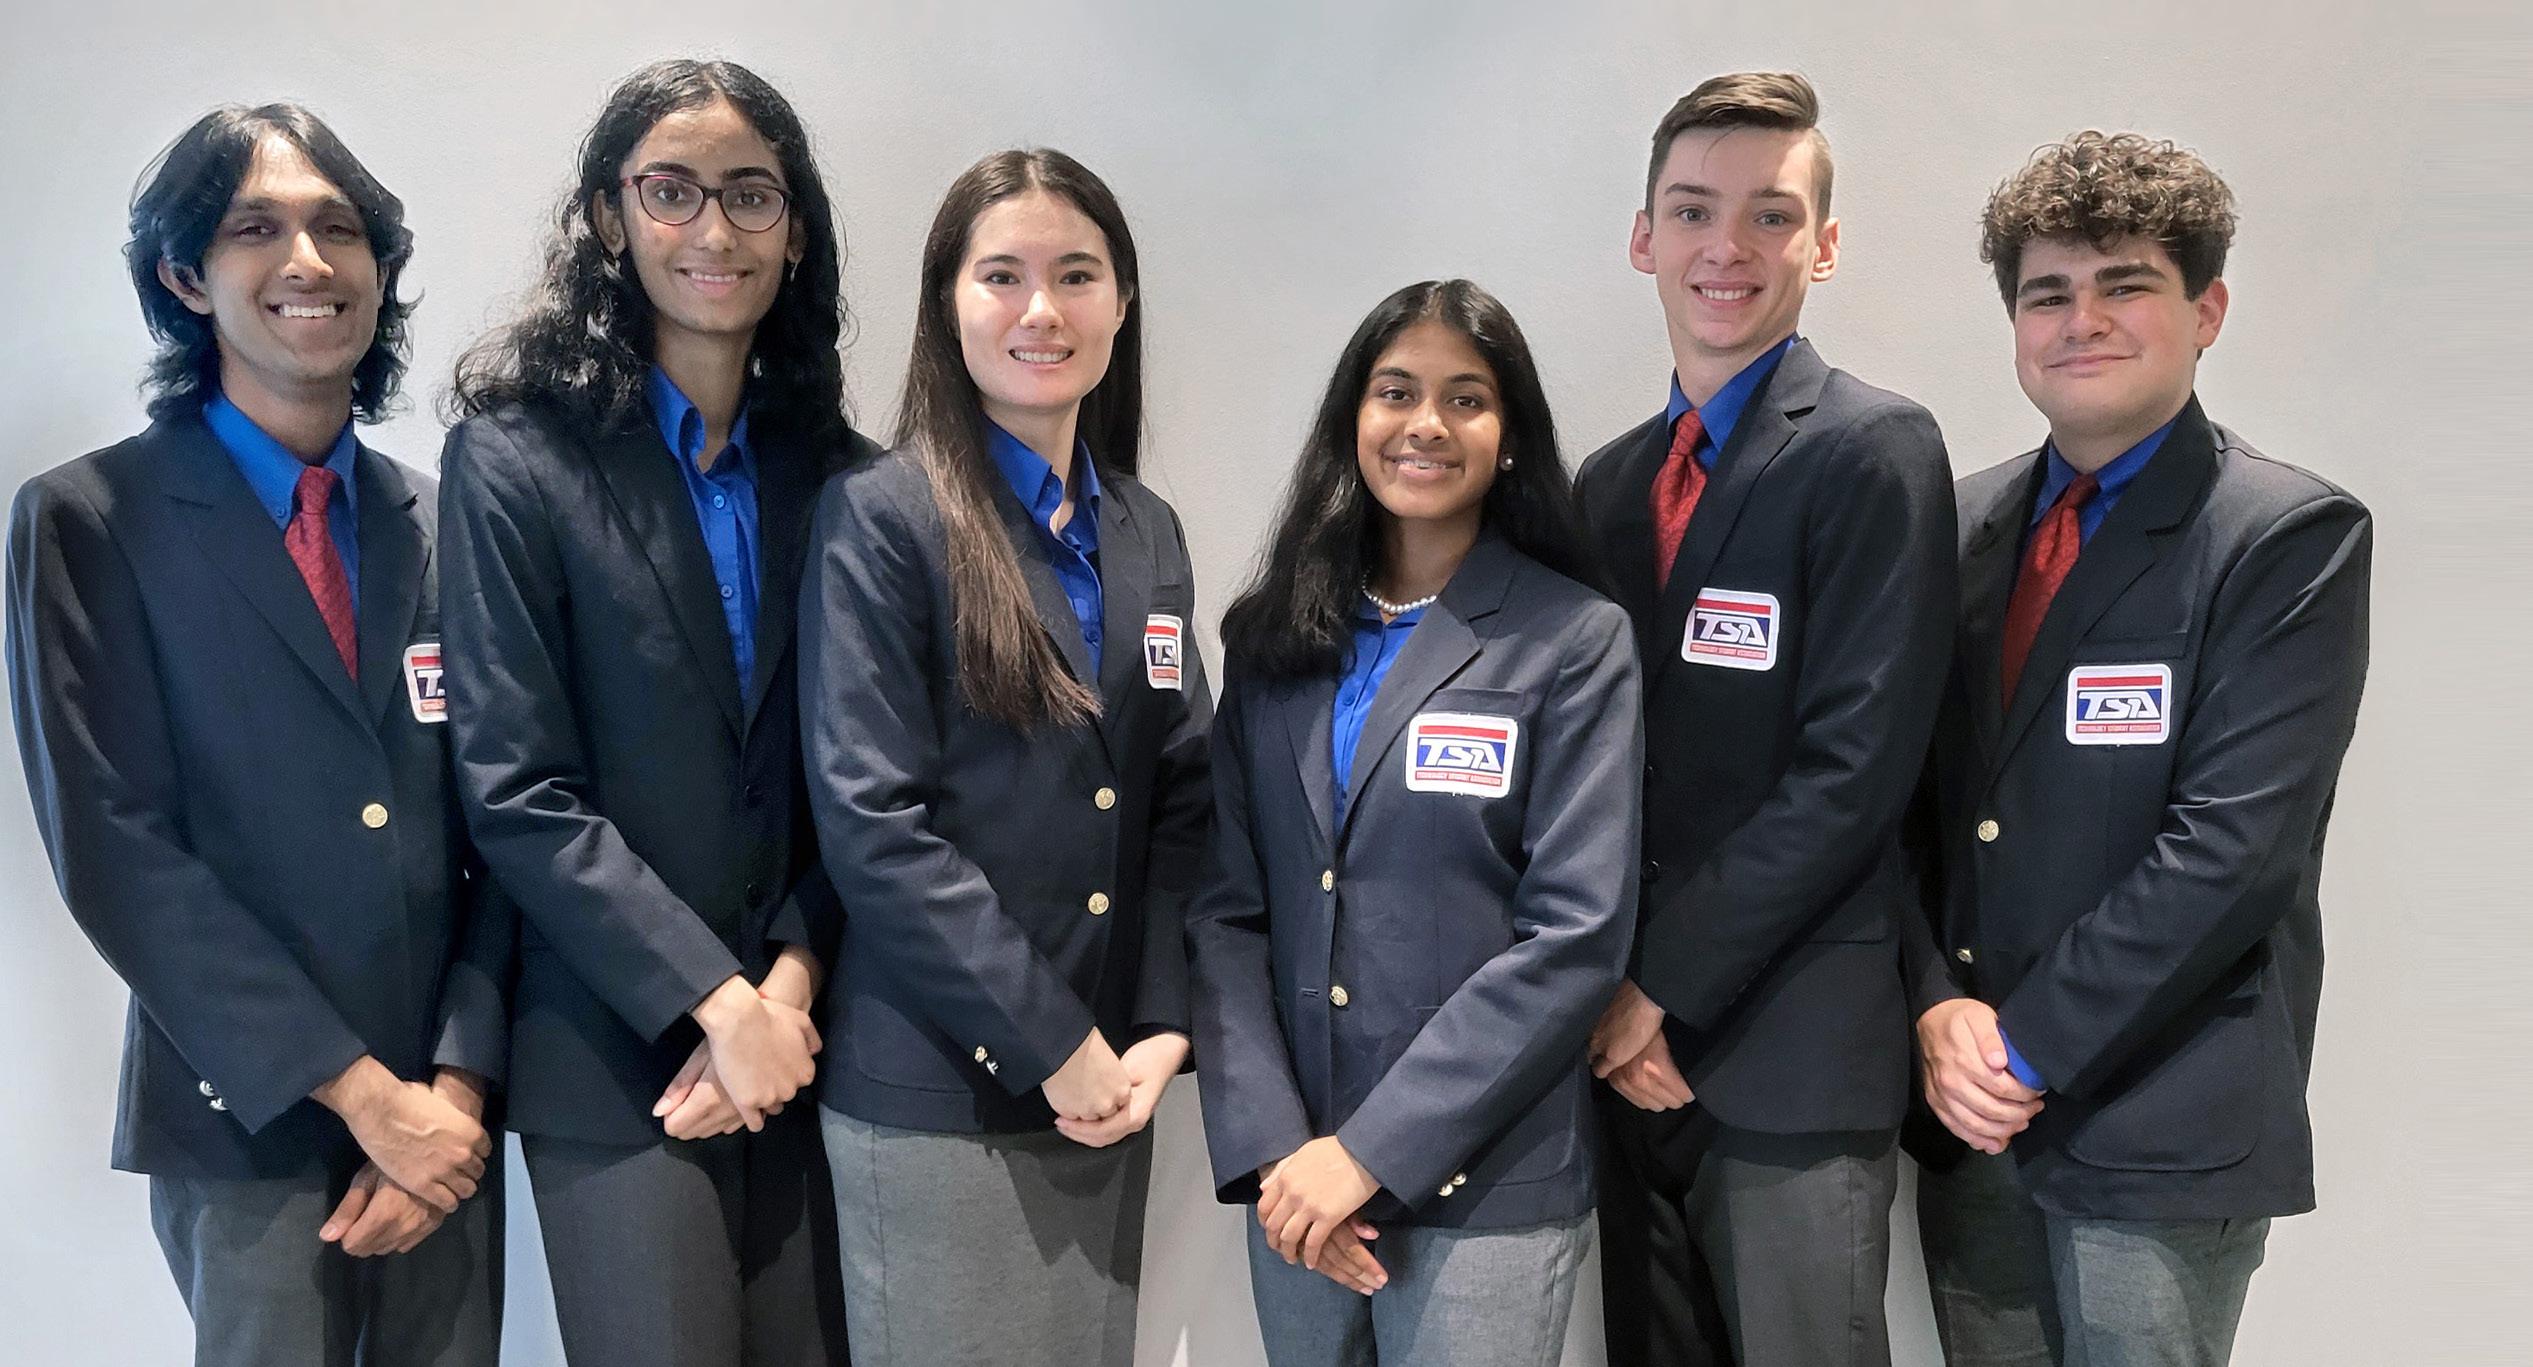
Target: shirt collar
x=682, y=424
x=1034, y=481
x=1723, y=412
x=271, y=470
x=2108, y=481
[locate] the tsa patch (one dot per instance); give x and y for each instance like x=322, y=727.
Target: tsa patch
x=1461, y=752
x=429, y=696
x=1732, y=629
x=1161, y=647
x=2119, y=704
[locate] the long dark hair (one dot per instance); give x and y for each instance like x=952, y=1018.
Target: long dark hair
x=186, y=193
x=1294, y=619
x=584, y=337
x=1008, y=669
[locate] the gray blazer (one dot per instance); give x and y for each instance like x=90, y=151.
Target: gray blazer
x=1421, y=982
x=2130, y=848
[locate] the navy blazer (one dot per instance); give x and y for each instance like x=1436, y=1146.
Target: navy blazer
x=1421, y=982
x=2130, y=849
x=1004, y=890
x=640, y=805
x=1791, y=674
x=264, y=851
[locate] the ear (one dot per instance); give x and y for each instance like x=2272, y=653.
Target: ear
x=1125, y=300
x=2211, y=305
x=1825, y=253
x=185, y=284
x=1640, y=243
x=604, y=222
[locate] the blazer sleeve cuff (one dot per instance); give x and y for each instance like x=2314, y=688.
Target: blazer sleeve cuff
x=261, y=1101
x=1411, y=1170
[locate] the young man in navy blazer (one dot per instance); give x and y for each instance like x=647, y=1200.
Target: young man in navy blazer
x=1781, y=533
x=2162, y=640
x=223, y=649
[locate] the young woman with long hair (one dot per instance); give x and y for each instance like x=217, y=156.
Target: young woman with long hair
x=1425, y=781
x=624, y=514
x=1007, y=755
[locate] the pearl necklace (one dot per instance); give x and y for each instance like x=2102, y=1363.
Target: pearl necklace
x=1390, y=609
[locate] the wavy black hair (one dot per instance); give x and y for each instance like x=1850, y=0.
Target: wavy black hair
x=584, y=336
x=1295, y=618
x=182, y=197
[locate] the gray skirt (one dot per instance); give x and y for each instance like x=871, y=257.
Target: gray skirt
x=978, y=1250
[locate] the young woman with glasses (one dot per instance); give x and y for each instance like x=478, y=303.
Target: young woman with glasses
x=1006, y=737
x=623, y=514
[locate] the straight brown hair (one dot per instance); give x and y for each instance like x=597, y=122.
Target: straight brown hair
x=1747, y=99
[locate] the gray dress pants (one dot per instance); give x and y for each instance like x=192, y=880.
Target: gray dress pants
x=263, y=1289
x=1455, y=1298
x=2014, y=1286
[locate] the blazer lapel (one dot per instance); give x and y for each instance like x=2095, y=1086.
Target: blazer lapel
x=1440, y=647
x=787, y=482
x=1309, y=718
x=1126, y=564
x=651, y=500
x=394, y=555
x=1991, y=550
x=1625, y=525
x=1766, y=426
x=238, y=537
x=2133, y=537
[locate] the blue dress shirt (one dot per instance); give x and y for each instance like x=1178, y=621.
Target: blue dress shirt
x=272, y=472
x=725, y=508
x=2111, y=481
x=1723, y=412
x=1368, y=660
x=1074, y=552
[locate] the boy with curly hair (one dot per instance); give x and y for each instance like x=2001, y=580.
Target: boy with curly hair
x=2162, y=644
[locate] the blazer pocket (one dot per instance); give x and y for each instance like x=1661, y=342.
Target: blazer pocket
x=889, y=1048
x=2194, y=1108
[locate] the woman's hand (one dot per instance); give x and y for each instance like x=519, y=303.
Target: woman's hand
x=1309, y=1197
x=1149, y=1065
x=1091, y=1085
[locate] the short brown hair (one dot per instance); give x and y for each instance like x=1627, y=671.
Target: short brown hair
x=2102, y=187
x=1746, y=99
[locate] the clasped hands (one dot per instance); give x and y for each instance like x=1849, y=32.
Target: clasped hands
x=758, y=1051
x=1967, y=1082
x=1631, y=1053
x=1101, y=1097
x=1307, y=1204
x=426, y=1148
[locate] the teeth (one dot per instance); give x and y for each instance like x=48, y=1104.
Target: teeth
x=711, y=279
x=1041, y=357
x=1727, y=295
x=1423, y=463
x=310, y=310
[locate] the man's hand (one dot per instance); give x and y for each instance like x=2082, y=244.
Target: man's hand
x=376, y=1217
x=1311, y=1195
x=417, y=1137
x=1651, y=1081
x=1092, y=1085
x=1347, y=1260
x=1629, y=1023
x=1967, y=1082
x=763, y=1051
x=696, y=1106
x=1149, y=1065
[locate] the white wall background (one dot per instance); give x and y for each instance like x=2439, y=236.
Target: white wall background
x=1284, y=167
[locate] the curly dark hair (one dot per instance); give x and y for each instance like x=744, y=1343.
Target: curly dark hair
x=183, y=197
x=584, y=337
x=2102, y=187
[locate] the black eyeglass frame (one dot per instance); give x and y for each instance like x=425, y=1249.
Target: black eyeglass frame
x=708, y=194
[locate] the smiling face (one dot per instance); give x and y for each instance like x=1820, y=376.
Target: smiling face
x=1430, y=428
x=289, y=282
x=2106, y=344
x=707, y=280
x=1039, y=307
x=1733, y=241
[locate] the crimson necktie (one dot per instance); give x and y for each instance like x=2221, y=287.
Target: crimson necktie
x=1675, y=490
x=311, y=546
x=2055, y=544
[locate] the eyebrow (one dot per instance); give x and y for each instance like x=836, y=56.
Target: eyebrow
x=1068, y=259
x=1464, y=377
x=2111, y=274
x=679, y=168
x=261, y=205
x=1681, y=187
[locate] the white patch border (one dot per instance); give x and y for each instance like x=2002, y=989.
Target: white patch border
x=2163, y=724
x=1776, y=632
x=428, y=713
x=1178, y=633
x=1512, y=752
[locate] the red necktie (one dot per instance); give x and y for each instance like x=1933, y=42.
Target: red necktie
x=311, y=547
x=2055, y=544
x=1675, y=490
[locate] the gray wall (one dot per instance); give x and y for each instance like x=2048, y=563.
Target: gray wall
x=1285, y=167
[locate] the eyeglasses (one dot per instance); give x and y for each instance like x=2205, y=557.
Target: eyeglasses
x=752, y=206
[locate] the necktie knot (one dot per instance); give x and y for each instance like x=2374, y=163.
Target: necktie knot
x=2079, y=492
x=315, y=489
